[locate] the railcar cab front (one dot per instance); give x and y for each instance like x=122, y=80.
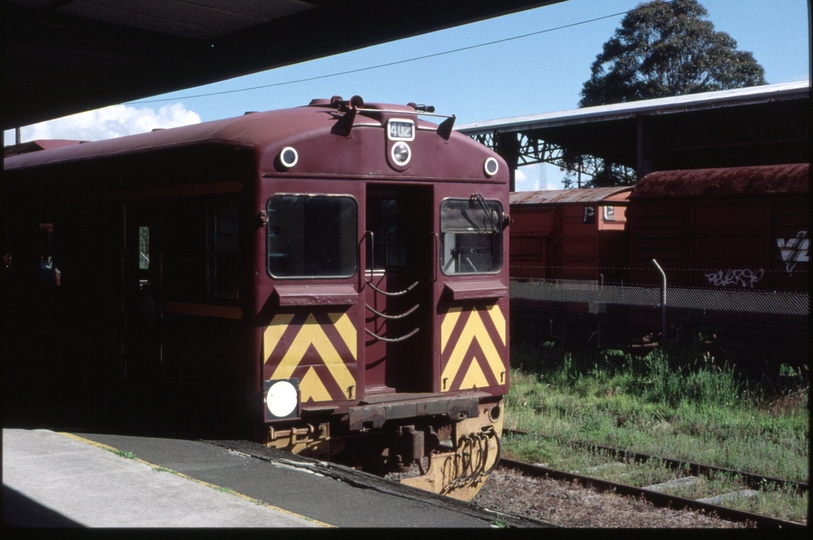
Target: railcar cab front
x=382, y=287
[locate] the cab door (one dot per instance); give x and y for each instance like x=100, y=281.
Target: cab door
x=142, y=314
x=399, y=275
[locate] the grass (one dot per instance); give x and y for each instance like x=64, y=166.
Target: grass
x=677, y=403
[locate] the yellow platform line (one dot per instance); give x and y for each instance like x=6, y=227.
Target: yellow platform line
x=202, y=482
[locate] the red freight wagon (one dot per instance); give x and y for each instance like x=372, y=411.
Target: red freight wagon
x=567, y=240
x=330, y=279
x=575, y=234
x=738, y=230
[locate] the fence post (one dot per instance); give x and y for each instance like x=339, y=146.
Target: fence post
x=663, y=301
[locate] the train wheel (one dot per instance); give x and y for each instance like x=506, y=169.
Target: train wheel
x=461, y=472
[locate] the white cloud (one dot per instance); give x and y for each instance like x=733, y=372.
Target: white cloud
x=537, y=177
x=521, y=180
x=108, y=123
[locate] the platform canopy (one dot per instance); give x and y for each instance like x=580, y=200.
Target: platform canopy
x=66, y=56
x=759, y=125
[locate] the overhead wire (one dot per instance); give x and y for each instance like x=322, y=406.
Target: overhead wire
x=387, y=64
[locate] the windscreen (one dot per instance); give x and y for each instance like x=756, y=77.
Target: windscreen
x=312, y=236
x=471, y=236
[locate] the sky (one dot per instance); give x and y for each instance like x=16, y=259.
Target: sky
x=538, y=64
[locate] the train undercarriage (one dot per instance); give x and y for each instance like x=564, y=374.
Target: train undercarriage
x=450, y=453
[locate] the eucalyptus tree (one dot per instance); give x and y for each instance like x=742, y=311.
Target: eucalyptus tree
x=667, y=49
x=663, y=49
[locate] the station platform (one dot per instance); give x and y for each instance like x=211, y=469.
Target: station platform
x=61, y=479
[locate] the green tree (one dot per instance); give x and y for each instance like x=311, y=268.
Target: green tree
x=662, y=49
x=667, y=49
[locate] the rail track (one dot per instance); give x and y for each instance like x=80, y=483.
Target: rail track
x=662, y=499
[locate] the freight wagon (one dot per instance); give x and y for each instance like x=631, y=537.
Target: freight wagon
x=732, y=245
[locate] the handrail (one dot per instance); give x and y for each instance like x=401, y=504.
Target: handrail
x=393, y=340
x=371, y=262
x=398, y=293
x=401, y=316
x=435, y=255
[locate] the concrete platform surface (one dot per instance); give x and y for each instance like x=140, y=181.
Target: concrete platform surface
x=53, y=479
x=57, y=479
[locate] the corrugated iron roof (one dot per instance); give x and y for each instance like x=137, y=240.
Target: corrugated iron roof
x=615, y=111
x=735, y=181
x=565, y=196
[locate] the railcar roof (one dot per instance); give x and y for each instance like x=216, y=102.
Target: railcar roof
x=567, y=196
x=253, y=129
x=36, y=146
x=735, y=181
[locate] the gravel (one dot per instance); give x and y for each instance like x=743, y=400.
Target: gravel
x=570, y=505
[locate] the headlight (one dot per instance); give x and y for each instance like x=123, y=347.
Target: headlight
x=401, y=153
x=281, y=399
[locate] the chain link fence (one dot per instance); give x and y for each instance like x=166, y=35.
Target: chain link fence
x=745, y=301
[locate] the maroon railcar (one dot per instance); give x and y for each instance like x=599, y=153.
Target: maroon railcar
x=724, y=233
x=330, y=279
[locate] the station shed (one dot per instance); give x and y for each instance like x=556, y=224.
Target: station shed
x=758, y=125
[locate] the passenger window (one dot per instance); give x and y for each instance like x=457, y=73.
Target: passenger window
x=225, y=267
x=312, y=236
x=471, y=236
x=49, y=273
x=143, y=248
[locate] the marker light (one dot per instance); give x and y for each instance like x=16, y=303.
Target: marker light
x=491, y=166
x=288, y=157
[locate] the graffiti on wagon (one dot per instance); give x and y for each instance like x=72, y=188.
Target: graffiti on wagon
x=794, y=250
x=743, y=277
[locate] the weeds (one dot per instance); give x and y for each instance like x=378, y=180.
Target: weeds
x=679, y=402
x=124, y=454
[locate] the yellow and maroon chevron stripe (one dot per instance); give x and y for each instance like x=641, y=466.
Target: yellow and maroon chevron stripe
x=318, y=348
x=473, y=348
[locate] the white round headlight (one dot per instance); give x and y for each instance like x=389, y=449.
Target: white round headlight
x=401, y=153
x=281, y=399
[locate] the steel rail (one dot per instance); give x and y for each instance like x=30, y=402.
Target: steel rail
x=655, y=497
x=752, y=480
